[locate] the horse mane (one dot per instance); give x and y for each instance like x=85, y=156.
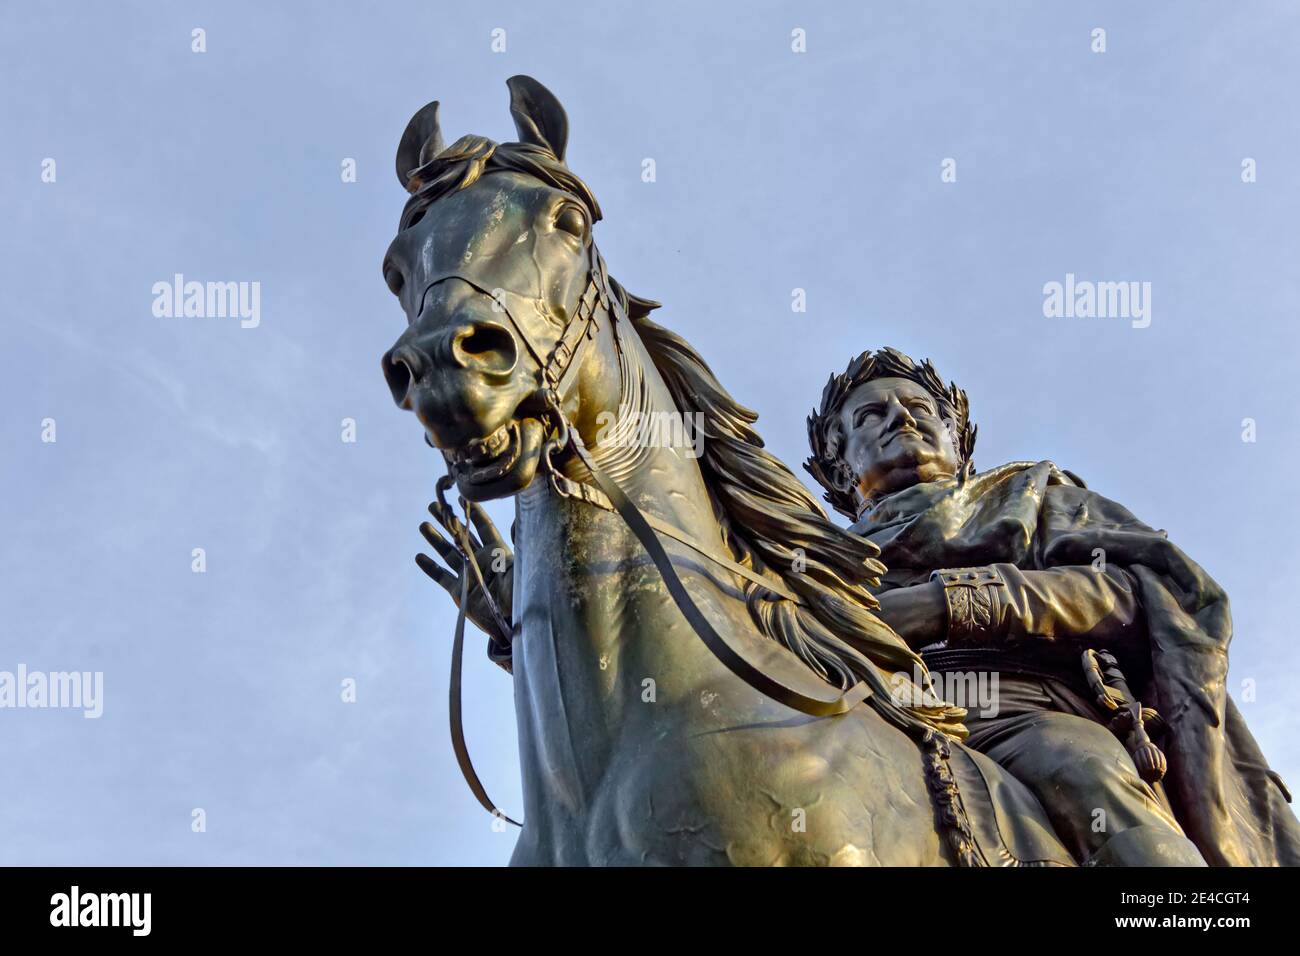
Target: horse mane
x=771, y=522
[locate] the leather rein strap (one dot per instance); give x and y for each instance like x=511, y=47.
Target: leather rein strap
x=556, y=374
x=454, y=687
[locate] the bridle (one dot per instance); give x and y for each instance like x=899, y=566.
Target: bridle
x=556, y=373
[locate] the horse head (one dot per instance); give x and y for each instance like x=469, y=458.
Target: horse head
x=493, y=264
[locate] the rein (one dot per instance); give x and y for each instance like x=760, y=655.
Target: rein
x=556, y=374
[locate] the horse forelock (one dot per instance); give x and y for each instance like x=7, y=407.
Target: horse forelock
x=461, y=164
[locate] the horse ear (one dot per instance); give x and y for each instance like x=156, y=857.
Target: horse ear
x=420, y=143
x=539, y=118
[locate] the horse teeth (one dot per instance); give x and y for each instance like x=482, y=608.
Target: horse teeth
x=484, y=449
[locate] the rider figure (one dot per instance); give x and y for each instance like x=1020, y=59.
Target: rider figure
x=892, y=446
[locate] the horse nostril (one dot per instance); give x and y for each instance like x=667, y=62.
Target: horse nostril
x=401, y=369
x=486, y=347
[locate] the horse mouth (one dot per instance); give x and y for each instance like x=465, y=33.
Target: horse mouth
x=488, y=459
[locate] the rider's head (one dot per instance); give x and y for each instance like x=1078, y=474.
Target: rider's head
x=886, y=423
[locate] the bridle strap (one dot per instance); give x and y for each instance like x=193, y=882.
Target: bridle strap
x=454, y=711
x=562, y=366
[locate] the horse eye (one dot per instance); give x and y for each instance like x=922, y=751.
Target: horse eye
x=571, y=220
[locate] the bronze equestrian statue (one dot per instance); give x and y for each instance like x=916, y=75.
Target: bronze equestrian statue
x=700, y=672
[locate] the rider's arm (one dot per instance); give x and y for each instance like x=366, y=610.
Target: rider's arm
x=1080, y=605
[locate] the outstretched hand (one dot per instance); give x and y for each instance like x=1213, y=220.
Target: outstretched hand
x=495, y=562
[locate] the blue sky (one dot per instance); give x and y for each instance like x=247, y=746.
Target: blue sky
x=775, y=171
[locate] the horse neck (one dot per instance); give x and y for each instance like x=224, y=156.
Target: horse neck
x=592, y=631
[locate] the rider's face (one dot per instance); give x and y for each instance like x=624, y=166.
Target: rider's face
x=894, y=437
